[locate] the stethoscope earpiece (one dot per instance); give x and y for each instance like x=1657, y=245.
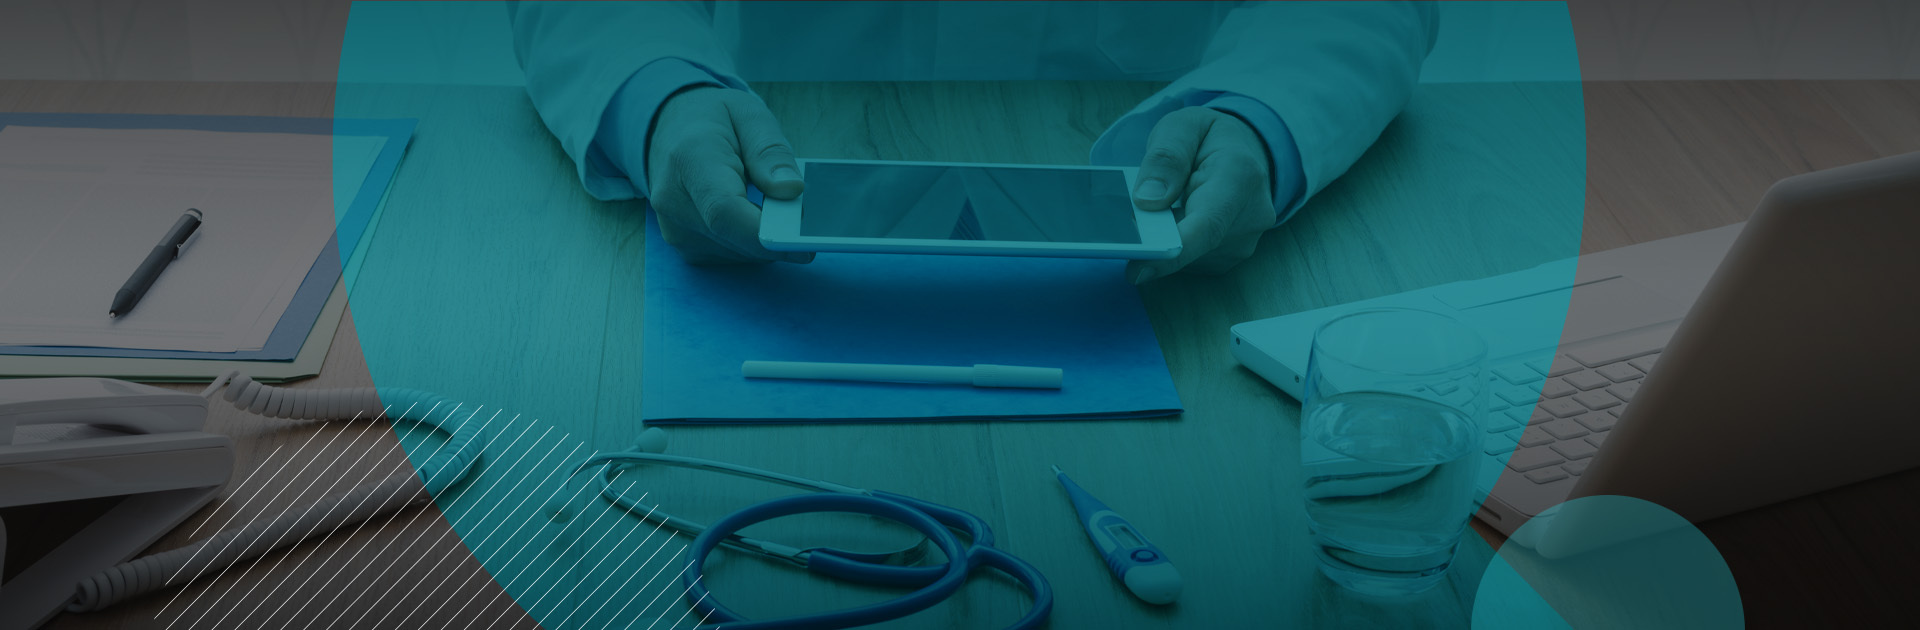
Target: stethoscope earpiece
x=557, y=509
x=653, y=440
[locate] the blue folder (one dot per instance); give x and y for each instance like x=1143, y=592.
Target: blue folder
x=1078, y=315
x=283, y=344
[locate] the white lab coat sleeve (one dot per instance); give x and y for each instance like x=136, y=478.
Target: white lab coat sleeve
x=577, y=55
x=1335, y=72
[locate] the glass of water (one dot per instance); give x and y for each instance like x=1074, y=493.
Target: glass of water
x=1389, y=443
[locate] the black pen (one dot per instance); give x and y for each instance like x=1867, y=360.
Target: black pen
x=157, y=261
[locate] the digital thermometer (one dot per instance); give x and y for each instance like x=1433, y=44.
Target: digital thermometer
x=1133, y=560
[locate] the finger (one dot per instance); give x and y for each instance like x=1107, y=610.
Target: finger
x=1211, y=215
x=709, y=254
x=695, y=248
x=736, y=224
x=1235, y=250
x=719, y=200
x=1171, y=149
x=764, y=149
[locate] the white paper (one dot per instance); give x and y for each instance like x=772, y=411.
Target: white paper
x=80, y=208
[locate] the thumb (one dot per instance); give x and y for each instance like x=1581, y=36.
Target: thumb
x=764, y=150
x=1171, y=149
x=1140, y=271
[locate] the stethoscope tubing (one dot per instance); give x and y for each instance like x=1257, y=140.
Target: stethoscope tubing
x=776, y=551
x=935, y=523
x=953, y=575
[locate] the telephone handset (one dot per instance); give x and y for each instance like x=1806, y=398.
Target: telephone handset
x=68, y=439
x=125, y=438
x=64, y=439
x=99, y=401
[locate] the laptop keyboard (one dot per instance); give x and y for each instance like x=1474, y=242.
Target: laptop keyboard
x=1579, y=400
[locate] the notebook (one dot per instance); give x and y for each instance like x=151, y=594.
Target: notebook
x=355, y=158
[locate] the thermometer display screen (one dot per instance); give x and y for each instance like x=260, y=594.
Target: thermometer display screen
x=1125, y=536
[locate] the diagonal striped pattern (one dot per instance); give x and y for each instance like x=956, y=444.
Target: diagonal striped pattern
x=429, y=567
x=291, y=482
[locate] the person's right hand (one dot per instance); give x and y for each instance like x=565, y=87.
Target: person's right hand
x=708, y=142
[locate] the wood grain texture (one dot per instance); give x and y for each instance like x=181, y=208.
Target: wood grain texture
x=1215, y=487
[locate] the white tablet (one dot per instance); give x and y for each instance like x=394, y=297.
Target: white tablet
x=978, y=209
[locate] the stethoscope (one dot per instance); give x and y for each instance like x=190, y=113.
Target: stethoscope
x=935, y=523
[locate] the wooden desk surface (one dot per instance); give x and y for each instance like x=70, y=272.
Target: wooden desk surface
x=1662, y=159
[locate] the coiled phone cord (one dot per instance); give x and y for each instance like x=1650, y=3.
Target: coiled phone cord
x=445, y=468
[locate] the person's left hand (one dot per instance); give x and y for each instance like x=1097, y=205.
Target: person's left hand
x=1217, y=165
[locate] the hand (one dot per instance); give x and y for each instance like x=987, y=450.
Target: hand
x=1218, y=165
x=707, y=143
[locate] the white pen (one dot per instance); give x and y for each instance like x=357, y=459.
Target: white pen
x=981, y=375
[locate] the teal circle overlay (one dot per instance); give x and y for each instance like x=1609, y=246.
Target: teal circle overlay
x=1616, y=562
x=492, y=278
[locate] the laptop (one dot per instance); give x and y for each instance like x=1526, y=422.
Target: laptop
x=1708, y=373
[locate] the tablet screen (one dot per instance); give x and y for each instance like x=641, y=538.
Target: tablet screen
x=977, y=203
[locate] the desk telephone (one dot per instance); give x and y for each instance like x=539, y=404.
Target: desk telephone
x=68, y=439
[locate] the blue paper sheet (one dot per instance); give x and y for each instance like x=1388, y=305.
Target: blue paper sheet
x=283, y=344
x=1078, y=315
